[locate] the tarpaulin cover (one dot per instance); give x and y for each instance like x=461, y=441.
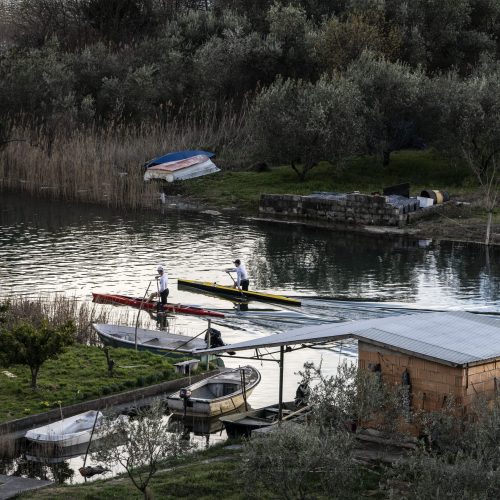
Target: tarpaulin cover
x=179, y=155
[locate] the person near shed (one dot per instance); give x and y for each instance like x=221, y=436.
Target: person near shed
x=242, y=280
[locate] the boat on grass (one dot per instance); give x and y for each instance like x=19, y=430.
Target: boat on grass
x=108, y=298
x=71, y=431
x=236, y=293
x=216, y=395
x=157, y=341
x=243, y=423
x=181, y=169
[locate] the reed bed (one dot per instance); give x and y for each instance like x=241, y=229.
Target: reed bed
x=59, y=309
x=104, y=165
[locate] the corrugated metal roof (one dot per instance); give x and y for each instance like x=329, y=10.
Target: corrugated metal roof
x=449, y=337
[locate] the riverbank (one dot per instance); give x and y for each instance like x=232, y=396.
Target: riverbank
x=236, y=189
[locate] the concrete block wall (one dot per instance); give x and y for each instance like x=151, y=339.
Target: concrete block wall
x=350, y=209
x=481, y=380
x=431, y=383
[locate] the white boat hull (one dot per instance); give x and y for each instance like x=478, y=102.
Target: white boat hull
x=216, y=395
x=71, y=431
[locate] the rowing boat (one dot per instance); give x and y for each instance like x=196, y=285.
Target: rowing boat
x=155, y=341
x=217, y=395
x=72, y=431
x=106, y=298
x=235, y=293
x=243, y=423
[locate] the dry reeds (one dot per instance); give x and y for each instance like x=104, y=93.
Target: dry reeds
x=59, y=309
x=104, y=165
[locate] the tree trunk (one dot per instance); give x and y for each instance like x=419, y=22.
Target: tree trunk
x=488, y=227
x=34, y=375
x=386, y=156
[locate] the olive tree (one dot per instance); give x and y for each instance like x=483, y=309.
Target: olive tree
x=343, y=41
x=295, y=461
x=32, y=345
x=462, y=458
x=291, y=30
x=301, y=123
x=467, y=112
x=352, y=397
x=391, y=94
x=139, y=445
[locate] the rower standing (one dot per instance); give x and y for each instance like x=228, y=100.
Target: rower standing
x=162, y=285
x=242, y=280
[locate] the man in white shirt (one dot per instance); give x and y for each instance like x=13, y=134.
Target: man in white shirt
x=242, y=280
x=162, y=284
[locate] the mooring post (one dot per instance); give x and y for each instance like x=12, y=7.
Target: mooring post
x=282, y=359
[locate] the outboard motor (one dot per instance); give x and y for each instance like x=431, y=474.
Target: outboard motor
x=302, y=394
x=215, y=338
x=185, y=393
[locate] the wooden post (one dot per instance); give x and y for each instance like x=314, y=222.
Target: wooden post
x=282, y=359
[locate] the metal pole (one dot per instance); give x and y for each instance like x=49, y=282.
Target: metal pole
x=139, y=312
x=208, y=344
x=282, y=359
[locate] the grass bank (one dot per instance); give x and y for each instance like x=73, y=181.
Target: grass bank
x=77, y=375
x=214, y=473
x=242, y=189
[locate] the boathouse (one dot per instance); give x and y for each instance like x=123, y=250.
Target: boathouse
x=437, y=354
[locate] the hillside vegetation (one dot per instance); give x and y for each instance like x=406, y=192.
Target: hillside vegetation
x=91, y=89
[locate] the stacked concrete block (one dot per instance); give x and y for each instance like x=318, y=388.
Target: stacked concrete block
x=482, y=380
x=347, y=209
x=432, y=383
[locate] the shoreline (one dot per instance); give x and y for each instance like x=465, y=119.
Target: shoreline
x=444, y=228
x=454, y=223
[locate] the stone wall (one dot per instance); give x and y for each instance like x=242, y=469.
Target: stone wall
x=121, y=402
x=343, y=209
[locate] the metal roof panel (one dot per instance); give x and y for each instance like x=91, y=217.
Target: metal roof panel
x=451, y=337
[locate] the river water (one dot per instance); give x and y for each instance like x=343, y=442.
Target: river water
x=52, y=247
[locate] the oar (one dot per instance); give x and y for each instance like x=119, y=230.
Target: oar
x=234, y=281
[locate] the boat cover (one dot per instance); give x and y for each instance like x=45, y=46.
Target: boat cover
x=179, y=155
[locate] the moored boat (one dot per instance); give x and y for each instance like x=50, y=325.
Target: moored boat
x=243, y=423
x=157, y=341
x=108, y=298
x=222, y=393
x=235, y=293
x=70, y=431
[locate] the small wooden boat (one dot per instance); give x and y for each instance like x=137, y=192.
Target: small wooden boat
x=243, y=423
x=156, y=341
x=222, y=393
x=70, y=431
x=107, y=298
x=235, y=293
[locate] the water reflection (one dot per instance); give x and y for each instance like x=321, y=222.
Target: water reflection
x=91, y=247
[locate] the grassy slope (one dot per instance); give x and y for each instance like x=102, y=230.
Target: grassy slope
x=422, y=169
x=211, y=474
x=77, y=375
